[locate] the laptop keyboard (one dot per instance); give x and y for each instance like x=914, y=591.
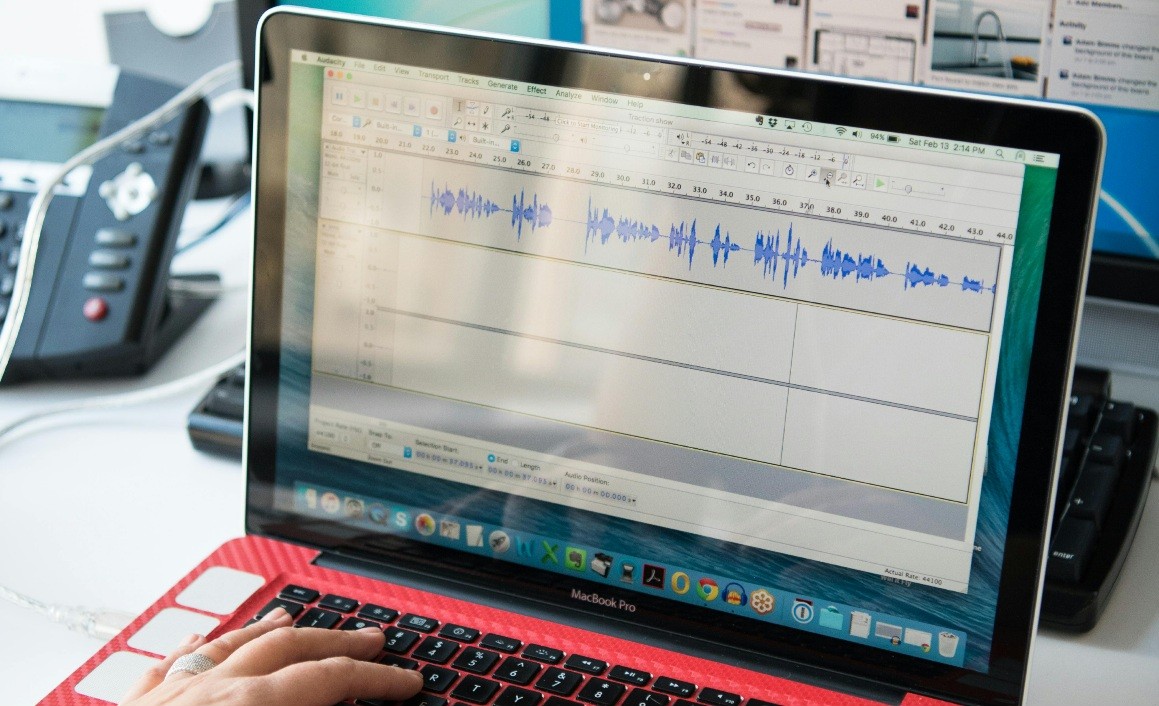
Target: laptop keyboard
x=1108, y=451
x=465, y=666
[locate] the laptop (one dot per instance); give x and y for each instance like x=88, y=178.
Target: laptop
x=617, y=379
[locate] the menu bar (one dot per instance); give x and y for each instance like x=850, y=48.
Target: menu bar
x=661, y=113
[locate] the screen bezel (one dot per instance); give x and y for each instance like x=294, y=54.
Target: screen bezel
x=1031, y=126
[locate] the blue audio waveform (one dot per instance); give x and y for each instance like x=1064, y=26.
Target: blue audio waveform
x=681, y=238
x=767, y=253
x=474, y=205
x=775, y=254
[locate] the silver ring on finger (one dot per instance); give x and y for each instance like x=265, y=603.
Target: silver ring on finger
x=193, y=663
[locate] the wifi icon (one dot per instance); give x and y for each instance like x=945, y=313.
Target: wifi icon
x=840, y=131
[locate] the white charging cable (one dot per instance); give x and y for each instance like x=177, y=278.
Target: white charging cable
x=198, y=90
x=98, y=623
x=125, y=399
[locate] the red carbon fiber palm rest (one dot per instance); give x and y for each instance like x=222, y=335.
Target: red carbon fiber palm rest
x=281, y=563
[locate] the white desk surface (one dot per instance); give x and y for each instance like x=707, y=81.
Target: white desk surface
x=111, y=508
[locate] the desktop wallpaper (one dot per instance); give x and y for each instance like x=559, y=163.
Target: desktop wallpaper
x=972, y=612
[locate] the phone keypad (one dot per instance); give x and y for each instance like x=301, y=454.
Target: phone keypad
x=12, y=214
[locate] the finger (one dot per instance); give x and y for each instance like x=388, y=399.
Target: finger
x=283, y=648
x=225, y=645
x=336, y=679
x=156, y=674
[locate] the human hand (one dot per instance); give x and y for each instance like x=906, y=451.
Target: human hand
x=271, y=662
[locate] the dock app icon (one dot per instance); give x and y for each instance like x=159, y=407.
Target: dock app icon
x=859, y=624
x=830, y=617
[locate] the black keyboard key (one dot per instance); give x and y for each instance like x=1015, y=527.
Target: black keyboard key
x=587, y=665
x=1081, y=412
x=514, y=696
x=378, y=613
x=318, y=618
x=438, y=679
x=294, y=609
x=418, y=622
x=503, y=644
x=1091, y=381
x=716, y=697
x=560, y=701
x=559, y=681
x=436, y=649
x=417, y=700
x=399, y=640
x=1093, y=493
x=397, y=661
x=475, y=689
x=629, y=675
x=758, y=702
x=460, y=633
x=476, y=660
x=1119, y=420
x=601, y=692
x=675, y=687
x=298, y=593
x=543, y=654
x=517, y=671
x=1071, y=549
x=639, y=697
x=338, y=603
x=227, y=401
x=358, y=624
x=1107, y=450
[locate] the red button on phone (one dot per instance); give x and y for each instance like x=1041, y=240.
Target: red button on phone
x=96, y=308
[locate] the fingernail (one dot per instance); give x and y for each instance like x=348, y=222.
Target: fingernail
x=190, y=639
x=369, y=630
x=278, y=613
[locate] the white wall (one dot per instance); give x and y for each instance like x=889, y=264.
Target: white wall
x=74, y=29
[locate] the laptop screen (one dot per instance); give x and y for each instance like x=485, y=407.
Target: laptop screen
x=744, y=363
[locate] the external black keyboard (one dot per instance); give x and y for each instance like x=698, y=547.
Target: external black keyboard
x=463, y=664
x=1108, y=454
x=215, y=424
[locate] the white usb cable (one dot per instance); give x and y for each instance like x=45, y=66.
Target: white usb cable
x=98, y=623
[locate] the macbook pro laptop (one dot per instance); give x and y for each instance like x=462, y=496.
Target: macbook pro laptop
x=623, y=380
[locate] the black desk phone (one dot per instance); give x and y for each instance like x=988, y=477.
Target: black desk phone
x=99, y=303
